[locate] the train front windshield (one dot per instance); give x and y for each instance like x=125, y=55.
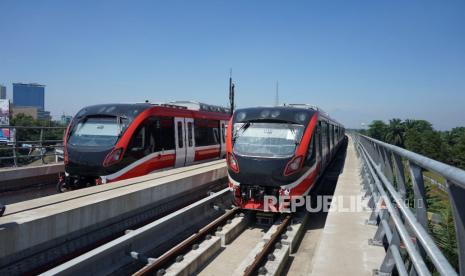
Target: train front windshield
x=97, y=131
x=275, y=140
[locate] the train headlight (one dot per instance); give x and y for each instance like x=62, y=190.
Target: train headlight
x=293, y=165
x=232, y=162
x=113, y=157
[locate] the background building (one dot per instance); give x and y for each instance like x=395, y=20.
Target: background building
x=4, y=120
x=26, y=110
x=34, y=112
x=4, y=112
x=29, y=99
x=66, y=119
x=29, y=94
x=2, y=92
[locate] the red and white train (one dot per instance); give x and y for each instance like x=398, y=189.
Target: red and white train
x=111, y=142
x=277, y=152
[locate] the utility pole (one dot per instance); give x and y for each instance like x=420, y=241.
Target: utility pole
x=276, y=99
x=231, y=92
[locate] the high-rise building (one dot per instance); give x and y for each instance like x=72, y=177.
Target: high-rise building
x=66, y=119
x=29, y=94
x=2, y=92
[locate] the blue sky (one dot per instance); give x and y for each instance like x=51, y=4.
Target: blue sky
x=359, y=60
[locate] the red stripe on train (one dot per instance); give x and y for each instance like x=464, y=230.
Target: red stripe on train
x=207, y=154
x=156, y=163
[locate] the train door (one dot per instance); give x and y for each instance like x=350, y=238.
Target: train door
x=223, y=138
x=179, y=133
x=190, y=141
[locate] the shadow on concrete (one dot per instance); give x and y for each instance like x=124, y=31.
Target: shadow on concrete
x=324, y=187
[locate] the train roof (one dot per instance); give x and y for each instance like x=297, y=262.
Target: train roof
x=286, y=111
x=132, y=110
x=125, y=110
x=197, y=106
x=322, y=113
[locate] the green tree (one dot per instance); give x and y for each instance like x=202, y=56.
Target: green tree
x=395, y=132
x=444, y=235
x=454, y=140
x=420, y=137
x=377, y=130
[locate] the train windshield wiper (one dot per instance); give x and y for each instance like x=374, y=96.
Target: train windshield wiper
x=294, y=132
x=122, y=124
x=240, y=130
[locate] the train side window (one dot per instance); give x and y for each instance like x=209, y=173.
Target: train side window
x=163, y=132
x=331, y=135
x=216, y=135
x=223, y=133
x=142, y=143
x=206, y=132
x=318, y=131
x=311, y=154
x=328, y=133
x=189, y=134
x=138, y=141
x=180, y=140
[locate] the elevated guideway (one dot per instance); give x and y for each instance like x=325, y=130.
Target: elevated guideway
x=12, y=179
x=381, y=236
x=60, y=224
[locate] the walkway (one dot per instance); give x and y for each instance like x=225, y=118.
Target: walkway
x=344, y=248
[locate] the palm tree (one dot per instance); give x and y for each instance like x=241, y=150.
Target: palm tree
x=444, y=235
x=395, y=132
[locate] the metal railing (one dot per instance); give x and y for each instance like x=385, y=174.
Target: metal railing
x=399, y=225
x=37, y=138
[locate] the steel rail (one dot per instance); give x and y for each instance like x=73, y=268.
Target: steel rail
x=437, y=257
x=253, y=268
x=184, y=246
x=116, y=254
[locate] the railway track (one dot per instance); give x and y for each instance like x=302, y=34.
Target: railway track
x=267, y=254
x=208, y=237
x=126, y=253
x=84, y=237
x=151, y=250
x=158, y=264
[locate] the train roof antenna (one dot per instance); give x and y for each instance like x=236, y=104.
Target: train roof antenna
x=231, y=92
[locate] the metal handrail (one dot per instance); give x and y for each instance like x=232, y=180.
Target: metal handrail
x=383, y=165
x=41, y=144
x=418, y=262
x=448, y=172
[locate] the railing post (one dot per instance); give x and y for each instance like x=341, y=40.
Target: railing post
x=419, y=195
x=393, y=257
x=387, y=164
x=41, y=144
x=457, y=201
x=400, y=175
x=15, y=158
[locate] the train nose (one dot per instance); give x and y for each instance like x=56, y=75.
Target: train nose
x=265, y=172
x=86, y=162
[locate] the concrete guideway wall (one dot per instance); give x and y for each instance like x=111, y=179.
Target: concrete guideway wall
x=38, y=222
x=18, y=178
